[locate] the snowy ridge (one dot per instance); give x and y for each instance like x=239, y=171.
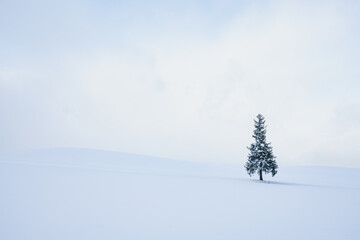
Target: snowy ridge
x=92, y=194
x=116, y=161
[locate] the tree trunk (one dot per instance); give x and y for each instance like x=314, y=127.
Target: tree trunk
x=261, y=178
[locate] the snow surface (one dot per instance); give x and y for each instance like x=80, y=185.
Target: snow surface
x=90, y=194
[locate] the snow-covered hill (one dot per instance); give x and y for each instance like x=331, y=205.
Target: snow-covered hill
x=91, y=194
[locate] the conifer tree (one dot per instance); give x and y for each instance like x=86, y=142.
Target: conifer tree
x=261, y=158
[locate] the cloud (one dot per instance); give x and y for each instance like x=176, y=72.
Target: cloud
x=182, y=86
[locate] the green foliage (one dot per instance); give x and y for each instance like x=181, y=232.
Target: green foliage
x=261, y=158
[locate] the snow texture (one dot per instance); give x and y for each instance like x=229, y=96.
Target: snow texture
x=89, y=194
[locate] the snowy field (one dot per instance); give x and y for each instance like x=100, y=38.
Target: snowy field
x=89, y=194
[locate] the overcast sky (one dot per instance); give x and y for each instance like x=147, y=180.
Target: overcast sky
x=182, y=79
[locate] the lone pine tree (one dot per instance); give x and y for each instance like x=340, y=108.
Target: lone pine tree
x=261, y=158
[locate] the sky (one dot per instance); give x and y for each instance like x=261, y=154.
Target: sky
x=182, y=79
